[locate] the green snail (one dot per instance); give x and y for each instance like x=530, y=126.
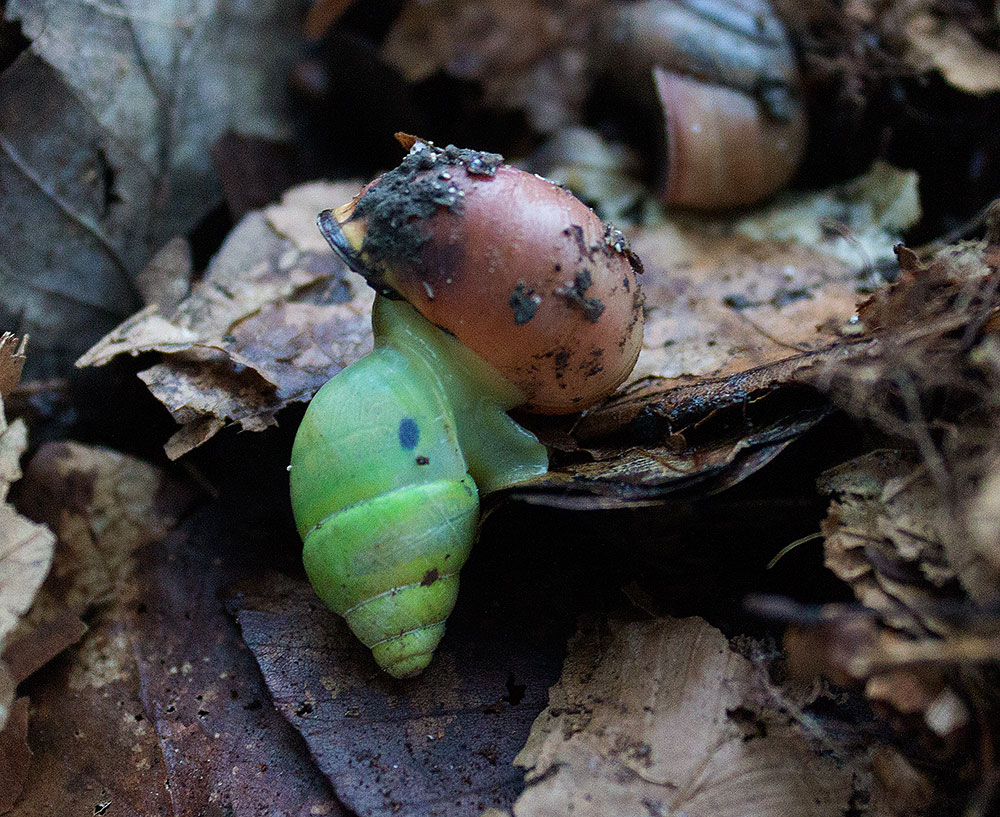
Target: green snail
x=495, y=289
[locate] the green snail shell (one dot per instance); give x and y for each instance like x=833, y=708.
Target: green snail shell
x=380, y=482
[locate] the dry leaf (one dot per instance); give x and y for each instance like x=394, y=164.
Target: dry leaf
x=11, y=362
x=663, y=718
x=274, y=318
x=160, y=709
x=947, y=45
x=882, y=538
x=727, y=296
x=25, y=554
x=102, y=506
x=934, y=339
x=106, y=148
x=530, y=56
x=439, y=743
x=15, y=755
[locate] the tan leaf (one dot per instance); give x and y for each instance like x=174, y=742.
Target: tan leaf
x=26, y=550
x=723, y=296
x=275, y=317
x=662, y=717
x=11, y=362
x=950, y=48
x=882, y=538
x=102, y=505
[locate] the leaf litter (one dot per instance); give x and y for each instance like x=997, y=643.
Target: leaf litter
x=664, y=717
x=770, y=348
x=26, y=548
x=157, y=709
x=788, y=308
x=275, y=316
x=912, y=529
x=105, y=147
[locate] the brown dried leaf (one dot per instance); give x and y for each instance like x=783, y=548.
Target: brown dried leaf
x=439, y=743
x=41, y=636
x=947, y=45
x=15, y=755
x=11, y=362
x=102, y=506
x=274, y=318
x=709, y=458
x=724, y=296
x=930, y=379
x=663, y=717
x=159, y=708
x=882, y=538
x=530, y=56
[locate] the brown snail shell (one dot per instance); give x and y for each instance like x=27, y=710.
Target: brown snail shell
x=721, y=150
x=724, y=77
x=514, y=266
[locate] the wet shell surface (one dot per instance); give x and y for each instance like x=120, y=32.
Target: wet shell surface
x=514, y=266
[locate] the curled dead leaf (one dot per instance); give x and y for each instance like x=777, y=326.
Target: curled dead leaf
x=275, y=316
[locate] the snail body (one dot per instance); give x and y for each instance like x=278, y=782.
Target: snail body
x=392, y=452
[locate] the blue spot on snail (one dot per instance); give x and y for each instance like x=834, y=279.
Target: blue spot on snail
x=386, y=531
x=409, y=433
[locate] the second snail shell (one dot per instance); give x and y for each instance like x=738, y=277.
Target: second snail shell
x=724, y=76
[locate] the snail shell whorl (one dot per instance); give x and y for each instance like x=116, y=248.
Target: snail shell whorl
x=384, y=505
x=725, y=81
x=721, y=150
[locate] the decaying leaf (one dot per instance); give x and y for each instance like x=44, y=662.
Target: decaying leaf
x=727, y=296
x=166, y=279
x=26, y=550
x=912, y=529
x=947, y=45
x=101, y=506
x=106, y=148
x=663, y=717
x=439, y=743
x=859, y=221
x=275, y=317
x=25, y=554
x=11, y=362
x=936, y=365
x=160, y=709
x=15, y=755
x=529, y=55
x=702, y=447
x=882, y=536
